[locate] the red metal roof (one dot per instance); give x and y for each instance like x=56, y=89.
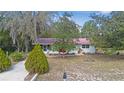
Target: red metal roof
x=81, y=41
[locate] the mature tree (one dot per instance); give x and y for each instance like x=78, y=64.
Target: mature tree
x=89, y=29
x=66, y=30
x=25, y=27
x=110, y=33
x=117, y=33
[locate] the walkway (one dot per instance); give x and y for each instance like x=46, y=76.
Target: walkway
x=16, y=73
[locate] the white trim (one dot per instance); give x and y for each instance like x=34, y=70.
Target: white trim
x=34, y=77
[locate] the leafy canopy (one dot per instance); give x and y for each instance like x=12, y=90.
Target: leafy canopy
x=66, y=30
x=106, y=31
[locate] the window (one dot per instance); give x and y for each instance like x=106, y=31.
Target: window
x=85, y=46
x=49, y=47
x=44, y=47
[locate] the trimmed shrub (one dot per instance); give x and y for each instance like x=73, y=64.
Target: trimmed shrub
x=37, y=61
x=109, y=51
x=17, y=56
x=5, y=63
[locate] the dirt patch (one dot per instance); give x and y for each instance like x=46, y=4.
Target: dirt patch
x=86, y=67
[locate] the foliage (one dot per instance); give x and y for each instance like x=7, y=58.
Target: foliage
x=63, y=45
x=109, y=51
x=109, y=32
x=89, y=29
x=66, y=30
x=5, y=63
x=24, y=27
x=37, y=61
x=6, y=41
x=17, y=56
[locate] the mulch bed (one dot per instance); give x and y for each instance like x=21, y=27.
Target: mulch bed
x=67, y=55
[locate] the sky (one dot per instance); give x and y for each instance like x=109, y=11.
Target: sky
x=80, y=17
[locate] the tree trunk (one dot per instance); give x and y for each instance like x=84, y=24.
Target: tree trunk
x=35, y=28
x=18, y=46
x=26, y=49
x=18, y=49
x=26, y=45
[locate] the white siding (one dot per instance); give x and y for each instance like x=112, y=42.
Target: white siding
x=91, y=49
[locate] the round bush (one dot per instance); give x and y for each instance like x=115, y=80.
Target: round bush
x=5, y=63
x=17, y=56
x=37, y=61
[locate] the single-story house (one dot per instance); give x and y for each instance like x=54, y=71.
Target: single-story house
x=83, y=45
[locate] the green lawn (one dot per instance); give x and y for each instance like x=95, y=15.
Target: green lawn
x=86, y=67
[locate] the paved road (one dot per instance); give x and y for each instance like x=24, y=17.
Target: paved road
x=16, y=73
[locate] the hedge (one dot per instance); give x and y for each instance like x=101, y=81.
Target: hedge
x=17, y=56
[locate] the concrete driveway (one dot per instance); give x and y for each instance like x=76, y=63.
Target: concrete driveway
x=16, y=73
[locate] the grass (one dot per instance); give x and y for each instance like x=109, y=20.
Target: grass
x=86, y=67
